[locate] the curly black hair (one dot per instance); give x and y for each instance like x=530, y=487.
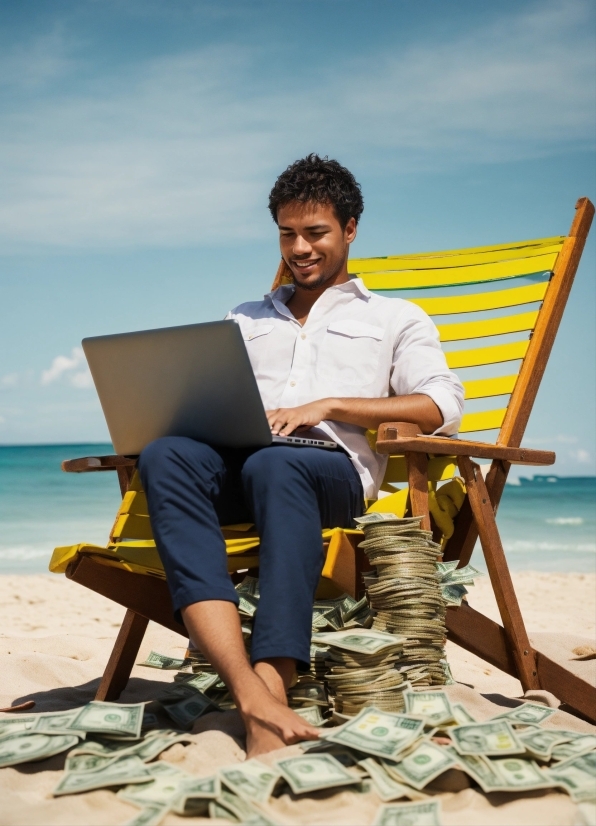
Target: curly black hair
x=320, y=180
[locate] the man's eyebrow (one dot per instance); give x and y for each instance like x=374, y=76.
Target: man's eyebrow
x=311, y=228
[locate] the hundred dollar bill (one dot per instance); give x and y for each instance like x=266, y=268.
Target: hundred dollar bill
x=252, y=780
x=520, y=775
x=527, y=713
x=310, y=692
x=461, y=715
x=377, y=516
x=423, y=764
x=167, y=784
x=434, y=706
x=314, y=771
x=409, y=814
x=539, y=743
x=58, y=722
x=249, y=585
x=576, y=776
x=495, y=738
x=117, y=772
x=201, y=681
x=185, y=712
x=110, y=718
x=149, y=816
x=196, y=795
x=377, y=732
x=386, y=786
x=27, y=746
x=155, y=660
x=312, y=715
x=576, y=745
x=362, y=642
x=146, y=750
x=478, y=768
x=14, y=724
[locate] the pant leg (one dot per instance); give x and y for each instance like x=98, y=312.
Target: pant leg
x=293, y=493
x=186, y=484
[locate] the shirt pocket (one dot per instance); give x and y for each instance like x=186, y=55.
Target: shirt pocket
x=257, y=339
x=350, y=354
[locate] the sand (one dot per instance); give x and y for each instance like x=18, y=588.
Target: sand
x=56, y=638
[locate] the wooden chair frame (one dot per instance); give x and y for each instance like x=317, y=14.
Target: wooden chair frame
x=505, y=646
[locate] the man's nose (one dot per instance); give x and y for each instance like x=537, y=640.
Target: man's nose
x=301, y=246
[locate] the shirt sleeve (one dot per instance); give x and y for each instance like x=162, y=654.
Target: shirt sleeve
x=419, y=366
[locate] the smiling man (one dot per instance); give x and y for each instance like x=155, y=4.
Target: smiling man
x=327, y=355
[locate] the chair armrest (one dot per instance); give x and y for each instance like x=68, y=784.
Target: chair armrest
x=93, y=463
x=412, y=440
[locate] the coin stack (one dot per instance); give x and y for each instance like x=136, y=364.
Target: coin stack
x=404, y=592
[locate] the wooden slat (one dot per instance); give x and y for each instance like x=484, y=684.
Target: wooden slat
x=123, y=656
x=458, y=257
x=409, y=279
x=488, y=327
x=388, y=443
x=487, y=355
x=478, y=302
x=418, y=483
x=485, y=388
x=486, y=420
x=522, y=400
x=132, y=526
x=135, y=501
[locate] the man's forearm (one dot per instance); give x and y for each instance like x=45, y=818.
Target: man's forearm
x=370, y=413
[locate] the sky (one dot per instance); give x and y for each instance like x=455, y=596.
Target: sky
x=139, y=140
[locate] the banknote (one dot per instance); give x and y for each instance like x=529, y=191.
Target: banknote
x=420, y=766
x=201, y=680
x=155, y=660
x=150, y=815
x=539, y=743
x=516, y=774
x=461, y=715
x=76, y=763
x=242, y=810
x=185, y=712
x=386, y=786
x=147, y=749
x=58, y=722
x=575, y=746
x=377, y=732
x=434, y=706
x=494, y=738
x=195, y=796
x=312, y=715
x=528, y=713
x=112, y=718
x=252, y=780
x=165, y=783
x=28, y=746
x=367, y=641
x=314, y=771
x=577, y=776
x=249, y=585
x=13, y=724
x=308, y=692
x=427, y=813
x=128, y=769
x=371, y=518
x=479, y=768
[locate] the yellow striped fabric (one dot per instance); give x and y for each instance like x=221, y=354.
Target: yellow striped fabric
x=494, y=300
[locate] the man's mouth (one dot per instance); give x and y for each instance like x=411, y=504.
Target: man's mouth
x=306, y=267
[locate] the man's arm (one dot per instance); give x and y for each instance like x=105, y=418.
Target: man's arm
x=368, y=413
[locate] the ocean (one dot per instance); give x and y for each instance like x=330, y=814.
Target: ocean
x=547, y=523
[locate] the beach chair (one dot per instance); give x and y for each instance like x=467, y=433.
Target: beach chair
x=498, y=309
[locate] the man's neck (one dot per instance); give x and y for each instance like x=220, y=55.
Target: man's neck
x=302, y=301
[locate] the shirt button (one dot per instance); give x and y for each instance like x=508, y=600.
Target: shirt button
x=302, y=335
x=292, y=384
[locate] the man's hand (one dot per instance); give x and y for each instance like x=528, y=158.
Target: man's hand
x=285, y=420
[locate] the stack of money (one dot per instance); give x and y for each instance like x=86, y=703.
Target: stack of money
x=362, y=670
x=404, y=594
x=453, y=581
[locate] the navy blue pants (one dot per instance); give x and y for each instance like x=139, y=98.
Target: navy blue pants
x=290, y=493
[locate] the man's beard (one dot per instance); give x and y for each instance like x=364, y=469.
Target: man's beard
x=315, y=285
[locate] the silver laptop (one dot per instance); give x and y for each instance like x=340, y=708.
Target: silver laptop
x=194, y=381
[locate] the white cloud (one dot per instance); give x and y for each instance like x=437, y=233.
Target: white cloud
x=9, y=380
x=182, y=149
x=69, y=367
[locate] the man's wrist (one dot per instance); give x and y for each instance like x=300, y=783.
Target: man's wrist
x=335, y=408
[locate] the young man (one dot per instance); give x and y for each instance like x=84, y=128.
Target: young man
x=326, y=354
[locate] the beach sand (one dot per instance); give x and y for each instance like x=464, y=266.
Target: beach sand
x=56, y=638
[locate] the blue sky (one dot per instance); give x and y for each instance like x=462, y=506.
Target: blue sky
x=139, y=140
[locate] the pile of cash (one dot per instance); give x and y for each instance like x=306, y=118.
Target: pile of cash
x=453, y=581
x=362, y=670
x=404, y=592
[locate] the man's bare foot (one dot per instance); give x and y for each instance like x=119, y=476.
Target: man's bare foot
x=271, y=725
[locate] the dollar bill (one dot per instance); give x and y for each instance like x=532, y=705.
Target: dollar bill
x=520, y=775
x=110, y=718
x=575, y=746
x=229, y=803
x=28, y=746
x=122, y=770
x=15, y=724
x=461, y=715
x=427, y=813
x=308, y=692
x=155, y=660
x=434, y=706
x=314, y=771
x=312, y=715
x=422, y=765
x=167, y=784
x=185, y=712
x=494, y=738
x=367, y=641
x=528, y=713
x=150, y=815
x=249, y=585
x=371, y=518
x=195, y=796
x=539, y=743
x=252, y=780
x=58, y=722
x=386, y=786
x=147, y=750
x=576, y=776
x=200, y=681
x=377, y=732
x=479, y=768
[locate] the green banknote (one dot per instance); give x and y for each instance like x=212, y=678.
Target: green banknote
x=427, y=813
x=377, y=732
x=28, y=746
x=314, y=771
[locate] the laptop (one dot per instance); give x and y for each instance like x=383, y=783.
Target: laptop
x=195, y=380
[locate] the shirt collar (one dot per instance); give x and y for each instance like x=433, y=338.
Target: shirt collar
x=355, y=285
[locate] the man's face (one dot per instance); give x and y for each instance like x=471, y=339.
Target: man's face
x=313, y=243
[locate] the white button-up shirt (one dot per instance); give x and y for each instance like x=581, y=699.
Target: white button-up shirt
x=354, y=344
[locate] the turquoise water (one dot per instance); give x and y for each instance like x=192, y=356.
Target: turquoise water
x=545, y=525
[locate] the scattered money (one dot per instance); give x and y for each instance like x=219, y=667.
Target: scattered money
x=149, y=816
x=110, y=718
x=577, y=744
x=312, y=715
x=185, y=712
x=425, y=762
x=576, y=776
x=539, y=743
x=520, y=775
x=409, y=814
x=122, y=770
x=377, y=732
x=228, y=803
x=252, y=780
x=527, y=713
x=386, y=786
x=29, y=747
x=495, y=738
x=314, y=771
x=434, y=706
x=155, y=660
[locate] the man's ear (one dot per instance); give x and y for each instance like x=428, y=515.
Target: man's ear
x=350, y=231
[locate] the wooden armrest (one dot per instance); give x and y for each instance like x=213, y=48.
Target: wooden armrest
x=92, y=463
x=399, y=437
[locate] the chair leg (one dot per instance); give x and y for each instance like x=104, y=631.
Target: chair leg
x=417, y=464
x=500, y=577
x=123, y=655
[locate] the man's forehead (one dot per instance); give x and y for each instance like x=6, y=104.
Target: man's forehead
x=305, y=214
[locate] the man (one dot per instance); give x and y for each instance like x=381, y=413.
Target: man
x=326, y=354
